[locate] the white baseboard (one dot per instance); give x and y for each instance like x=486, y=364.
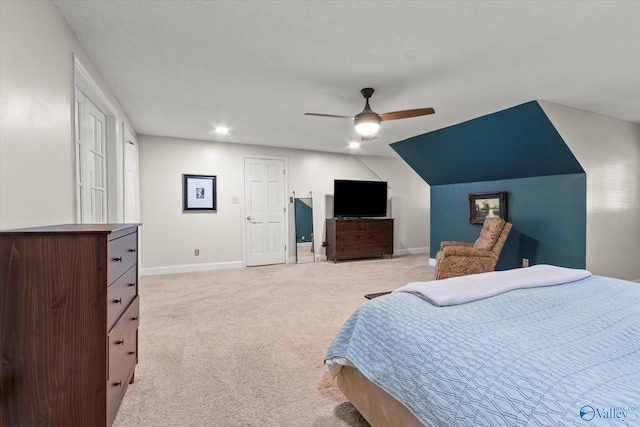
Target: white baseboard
x=189, y=268
x=411, y=251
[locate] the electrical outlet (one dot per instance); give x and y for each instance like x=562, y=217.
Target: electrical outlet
x=196, y=252
x=525, y=262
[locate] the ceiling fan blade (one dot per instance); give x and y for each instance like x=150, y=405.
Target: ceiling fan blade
x=405, y=114
x=329, y=115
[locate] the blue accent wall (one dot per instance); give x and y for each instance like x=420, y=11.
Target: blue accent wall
x=548, y=216
x=517, y=150
x=518, y=142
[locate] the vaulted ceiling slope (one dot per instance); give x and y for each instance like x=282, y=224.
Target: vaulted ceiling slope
x=518, y=142
x=179, y=68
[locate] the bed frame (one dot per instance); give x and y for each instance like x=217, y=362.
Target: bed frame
x=373, y=403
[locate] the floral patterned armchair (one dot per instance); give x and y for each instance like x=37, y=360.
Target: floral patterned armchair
x=462, y=258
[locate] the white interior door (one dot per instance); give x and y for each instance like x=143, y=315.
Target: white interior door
x=91, y=161
x=265, y=207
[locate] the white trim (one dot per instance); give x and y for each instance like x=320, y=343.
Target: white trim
x=189, y=268
x=87, y=85
x=411, y=251
x=127, y=137
x=432, y=262
x=90, y=88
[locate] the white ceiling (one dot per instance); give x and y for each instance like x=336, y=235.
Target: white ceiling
x=180, y=68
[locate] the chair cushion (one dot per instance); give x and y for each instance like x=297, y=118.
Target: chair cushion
x=490, y=233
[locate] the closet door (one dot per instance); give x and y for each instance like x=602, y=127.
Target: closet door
x=90, y=161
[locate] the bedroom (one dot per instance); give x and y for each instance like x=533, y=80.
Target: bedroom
x=36, y=132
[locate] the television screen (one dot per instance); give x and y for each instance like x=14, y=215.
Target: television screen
x=359, y=198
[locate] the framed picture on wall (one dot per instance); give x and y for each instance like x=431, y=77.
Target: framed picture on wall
x=198, y=193
x=487, y=205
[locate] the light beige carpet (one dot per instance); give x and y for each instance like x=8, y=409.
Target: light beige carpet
x=245, y=347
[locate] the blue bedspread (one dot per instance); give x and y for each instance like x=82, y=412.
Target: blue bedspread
x=561, y=355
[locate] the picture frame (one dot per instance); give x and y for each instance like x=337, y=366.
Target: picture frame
x=199, y=193
x=487, y=205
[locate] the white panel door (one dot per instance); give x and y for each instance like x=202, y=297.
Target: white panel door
x=91, y=161
x=265, y=206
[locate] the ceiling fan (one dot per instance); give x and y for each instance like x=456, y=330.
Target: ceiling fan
x=367, y=122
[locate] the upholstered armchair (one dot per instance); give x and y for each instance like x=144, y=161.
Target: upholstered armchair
x=462, y=258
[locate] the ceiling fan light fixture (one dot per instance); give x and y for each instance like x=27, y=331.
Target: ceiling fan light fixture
x=367, y=123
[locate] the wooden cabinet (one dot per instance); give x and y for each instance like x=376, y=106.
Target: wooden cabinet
x=359, y=238
x=69, y=315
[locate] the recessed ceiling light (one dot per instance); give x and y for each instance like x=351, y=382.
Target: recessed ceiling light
x=354, y=144
x=222, y=130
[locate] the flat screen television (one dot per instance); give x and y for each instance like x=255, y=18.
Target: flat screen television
x=359, y=198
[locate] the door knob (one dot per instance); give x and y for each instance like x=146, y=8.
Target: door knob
x=248, y=218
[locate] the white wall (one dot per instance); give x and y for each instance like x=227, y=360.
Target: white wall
x=410, y=202
x=609, y=151
x=169, y=236
x=36, y=112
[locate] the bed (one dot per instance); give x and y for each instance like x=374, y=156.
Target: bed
x=543, y=346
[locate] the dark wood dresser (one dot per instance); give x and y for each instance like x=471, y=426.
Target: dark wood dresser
x=359, y=238
x=69, y=315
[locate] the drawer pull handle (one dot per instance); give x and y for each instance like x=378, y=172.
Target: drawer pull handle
x=117, y=384
x=120, y=342
x=132, y=250
x=117, y=301
x=131, y=353
x=118, y=259
x=132, y=284
x=134, y=318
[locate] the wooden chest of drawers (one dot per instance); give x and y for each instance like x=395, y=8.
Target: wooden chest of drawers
x=69, y=315
x=359, y=238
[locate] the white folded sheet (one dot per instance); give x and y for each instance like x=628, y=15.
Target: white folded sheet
x=463, y=289
x=335, y=364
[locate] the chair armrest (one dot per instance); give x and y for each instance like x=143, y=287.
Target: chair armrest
x=466, y=251
x=454, y=243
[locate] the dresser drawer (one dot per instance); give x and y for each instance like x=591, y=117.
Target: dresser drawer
x=350, y=225
x=122, y=255
x=116, y=391
x=120, y=294
x=123, y=356
x=122, y=342
x=365, y=225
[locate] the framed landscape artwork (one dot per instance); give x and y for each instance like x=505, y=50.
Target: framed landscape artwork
x=198, y=193
x=487, y=205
